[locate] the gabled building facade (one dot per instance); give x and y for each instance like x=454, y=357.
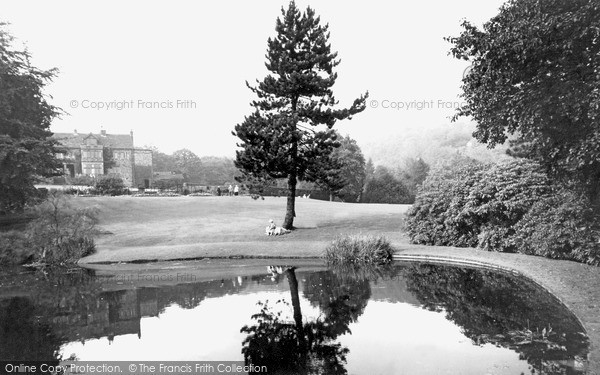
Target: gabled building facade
x=102, y=154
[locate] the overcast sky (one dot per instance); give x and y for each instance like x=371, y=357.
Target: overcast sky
x=200, y=53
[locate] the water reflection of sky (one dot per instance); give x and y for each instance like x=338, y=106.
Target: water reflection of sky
x=210, y=331
x=388, y=338
x=415, y=341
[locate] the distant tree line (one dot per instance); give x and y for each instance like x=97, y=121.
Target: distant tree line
x=347, y=177
x=206, y=170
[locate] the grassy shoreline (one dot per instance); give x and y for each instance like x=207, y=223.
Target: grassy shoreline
x=167, y=228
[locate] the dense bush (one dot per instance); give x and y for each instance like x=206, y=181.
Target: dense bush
x=359, y=249
x=437, y=216
x=499, y=199
x=509, y=207
x=110, y=185
x=561, y=226
x=60, y=234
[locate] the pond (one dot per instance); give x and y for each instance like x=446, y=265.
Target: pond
x=410, y=318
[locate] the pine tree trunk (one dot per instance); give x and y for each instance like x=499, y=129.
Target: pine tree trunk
x=293, y=283
x=290, y=212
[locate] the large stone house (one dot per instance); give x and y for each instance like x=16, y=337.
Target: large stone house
x=105, y=154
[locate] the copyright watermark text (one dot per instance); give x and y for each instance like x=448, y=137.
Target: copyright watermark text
x=132, y=104
x=416, y=105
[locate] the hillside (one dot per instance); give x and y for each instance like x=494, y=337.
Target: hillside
x=431, y=143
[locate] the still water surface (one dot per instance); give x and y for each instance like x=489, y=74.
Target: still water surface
x=408, y=319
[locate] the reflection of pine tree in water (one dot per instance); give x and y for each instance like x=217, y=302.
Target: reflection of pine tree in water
x=306, y=348
x=341, y=299
x=504, y=310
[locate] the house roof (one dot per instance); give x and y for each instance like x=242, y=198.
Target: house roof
x=108, y=140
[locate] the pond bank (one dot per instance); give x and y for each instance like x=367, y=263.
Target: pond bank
x=576, y=285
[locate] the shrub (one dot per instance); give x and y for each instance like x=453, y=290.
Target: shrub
x=511, y=207
x=437, y=216
x=561, y=226
x=359, y=249
x=62, y=234
x=81, y=180
x=499, y=199
x=110, y=185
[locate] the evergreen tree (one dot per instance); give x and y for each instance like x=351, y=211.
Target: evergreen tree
x=289, y=134
x=26, y=150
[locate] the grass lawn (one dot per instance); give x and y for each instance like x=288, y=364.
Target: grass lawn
x=160, y=228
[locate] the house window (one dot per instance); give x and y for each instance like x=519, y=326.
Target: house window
x=92, y=154
x=93, y=169
x=121, y=155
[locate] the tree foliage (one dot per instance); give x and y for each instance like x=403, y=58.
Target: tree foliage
x=343, y=174
x=26, y=150
x=413, y=174
x=188, y=163
x=535, y=72
x=218, y=170
x=289, y=134
x=383, y=187
x=162, y=162
x=110, y=185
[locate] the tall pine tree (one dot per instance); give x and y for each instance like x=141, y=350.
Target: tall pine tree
x=290, y=132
